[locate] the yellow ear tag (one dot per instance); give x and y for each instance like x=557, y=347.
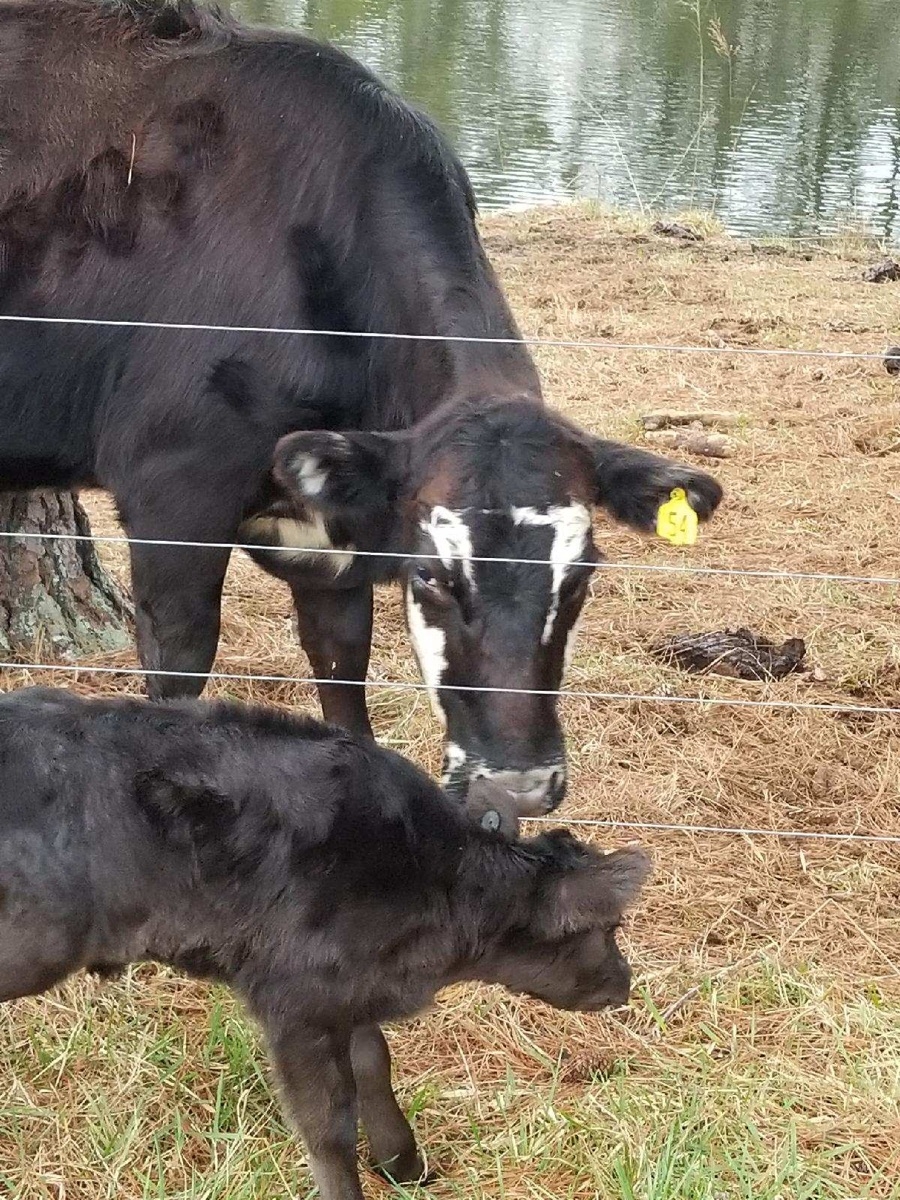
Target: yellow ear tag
x=676, y=521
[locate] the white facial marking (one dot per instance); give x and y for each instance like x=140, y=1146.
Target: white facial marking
x=310, y=475
x=571, y=525
x=298, y=541
x=452, y=538
x=429, y=644
x=455, y=759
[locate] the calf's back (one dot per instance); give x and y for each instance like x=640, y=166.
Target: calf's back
x=225, y=840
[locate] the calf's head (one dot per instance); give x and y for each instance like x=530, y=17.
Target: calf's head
x=561, y=946
x=509, y=481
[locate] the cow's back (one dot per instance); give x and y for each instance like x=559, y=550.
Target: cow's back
x=184, y=169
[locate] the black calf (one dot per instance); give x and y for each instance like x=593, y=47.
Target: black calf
x=329, y=882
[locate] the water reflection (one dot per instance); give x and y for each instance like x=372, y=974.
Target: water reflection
x=782, y=115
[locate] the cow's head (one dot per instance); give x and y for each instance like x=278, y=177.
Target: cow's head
x=506, y=480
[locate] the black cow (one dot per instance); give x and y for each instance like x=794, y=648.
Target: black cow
x=165, y=164
x=329, y=882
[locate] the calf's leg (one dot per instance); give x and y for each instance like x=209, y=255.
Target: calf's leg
x=391, y=1141
x=336, y=633
x=320, y=1098
x=36, y=953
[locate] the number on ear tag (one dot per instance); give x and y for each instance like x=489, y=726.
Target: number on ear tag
x=676, y=521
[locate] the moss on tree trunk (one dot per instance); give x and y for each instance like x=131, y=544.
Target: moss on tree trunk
x=57, y=604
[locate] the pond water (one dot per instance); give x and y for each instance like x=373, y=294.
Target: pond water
x=779, y=115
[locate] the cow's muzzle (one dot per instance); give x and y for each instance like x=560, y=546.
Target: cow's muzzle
x=536, y=790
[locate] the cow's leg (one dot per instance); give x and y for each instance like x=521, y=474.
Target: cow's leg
x=178, y=589
x=391, y=1141
x=177, y=601
x=336, y=633
x=320, y=1098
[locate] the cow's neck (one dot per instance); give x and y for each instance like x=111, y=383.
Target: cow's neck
x=440, y=282
x=420, y=377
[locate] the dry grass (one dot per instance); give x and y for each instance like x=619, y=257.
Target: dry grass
x=762, y=1054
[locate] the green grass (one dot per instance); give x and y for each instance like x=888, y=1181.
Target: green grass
x=770, y=1083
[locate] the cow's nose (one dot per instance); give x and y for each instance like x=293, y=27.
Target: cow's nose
x=535, y=790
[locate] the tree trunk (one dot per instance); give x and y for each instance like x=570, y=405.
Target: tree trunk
x=57, y=604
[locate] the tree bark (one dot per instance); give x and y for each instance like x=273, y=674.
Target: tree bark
x=57, y=604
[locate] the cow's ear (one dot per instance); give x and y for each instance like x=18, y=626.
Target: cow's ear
x=493, y=808
x=632, y=483
x=334, y=472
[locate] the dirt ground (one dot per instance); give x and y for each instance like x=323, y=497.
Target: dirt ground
x=761, y=1057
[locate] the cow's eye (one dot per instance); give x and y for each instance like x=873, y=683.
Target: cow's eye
x=426, y=583
x=434, y=587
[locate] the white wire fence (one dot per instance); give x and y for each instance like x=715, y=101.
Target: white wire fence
x=734, y=830
x=675, y=827
x=658, y=568
x=602, y=565
x=412, y=685
x=563, y=694
x=567, y=343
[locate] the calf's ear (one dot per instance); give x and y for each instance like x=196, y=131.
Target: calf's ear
x=334, y=472
x=593, y=892
x=626, y=872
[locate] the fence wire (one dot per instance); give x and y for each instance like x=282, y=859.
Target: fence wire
x=413, y=685
x=734, y=830
x=611, y=697
x=598, y=344
x=603, y=564
x=654, y=826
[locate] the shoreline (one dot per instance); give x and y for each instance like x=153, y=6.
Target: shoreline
x=708, y=223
